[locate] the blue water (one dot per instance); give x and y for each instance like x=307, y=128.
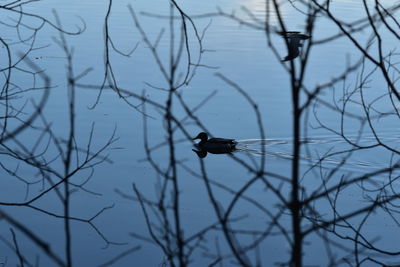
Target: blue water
x=239, y=53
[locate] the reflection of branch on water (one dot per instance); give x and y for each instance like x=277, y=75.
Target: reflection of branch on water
x=326, y=158
x=35, y=152
x=299, y=203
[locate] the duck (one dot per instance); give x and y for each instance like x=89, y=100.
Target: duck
x=295, y=42
x=214, y=145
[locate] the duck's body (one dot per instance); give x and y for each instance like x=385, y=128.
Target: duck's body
x=295, y=42
x=215, y=145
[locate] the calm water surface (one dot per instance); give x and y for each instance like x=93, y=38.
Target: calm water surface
x=237, y=52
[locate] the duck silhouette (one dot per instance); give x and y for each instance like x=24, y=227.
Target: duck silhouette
x=213, y=145
x=295, y=42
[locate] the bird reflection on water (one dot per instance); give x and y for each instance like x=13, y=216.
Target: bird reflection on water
x=294, y=43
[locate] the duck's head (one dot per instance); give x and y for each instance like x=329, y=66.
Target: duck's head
x=202, y=136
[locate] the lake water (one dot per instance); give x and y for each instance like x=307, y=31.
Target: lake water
x=241, y=54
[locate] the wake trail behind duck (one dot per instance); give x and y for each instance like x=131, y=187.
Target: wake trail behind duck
x=282, y=149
